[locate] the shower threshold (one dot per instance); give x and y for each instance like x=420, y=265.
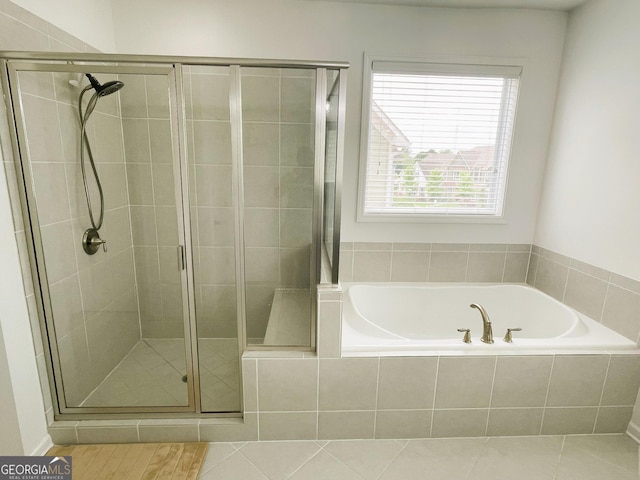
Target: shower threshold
x=151, y=374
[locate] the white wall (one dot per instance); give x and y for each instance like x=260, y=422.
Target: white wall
x=341, y=31
x=89, y=20
x=11, y=438
x=591, y=193
x=16, y=344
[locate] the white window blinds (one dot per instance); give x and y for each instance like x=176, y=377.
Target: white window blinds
x=439, y=137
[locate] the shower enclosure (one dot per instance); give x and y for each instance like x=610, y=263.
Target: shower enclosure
x=178, y=215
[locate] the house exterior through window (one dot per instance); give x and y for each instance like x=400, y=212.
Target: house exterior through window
x=438, y=139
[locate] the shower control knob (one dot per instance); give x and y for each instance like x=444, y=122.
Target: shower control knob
x=91, y=242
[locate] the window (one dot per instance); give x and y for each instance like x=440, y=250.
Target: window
x=438, y=139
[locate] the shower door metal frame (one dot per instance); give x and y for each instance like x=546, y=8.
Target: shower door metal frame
x=146, y=64
x=337, y=202
x=34, y=239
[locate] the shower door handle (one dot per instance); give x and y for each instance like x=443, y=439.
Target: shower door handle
x=181, y=260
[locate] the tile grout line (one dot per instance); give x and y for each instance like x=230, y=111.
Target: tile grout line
x=555, y=473
x=546, y=398
x=318, y=399
x=341, y=462
x=604, y=305
x=484, y=446
x=604, y=382
x=320, y=449
x=393, y=459
x=433, y=402
x=493, y=384
x=257, y=402
x=375, y=407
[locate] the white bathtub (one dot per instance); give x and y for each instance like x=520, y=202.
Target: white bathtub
x=382, y=318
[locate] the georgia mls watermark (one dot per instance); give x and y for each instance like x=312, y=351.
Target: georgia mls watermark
x=35, y=468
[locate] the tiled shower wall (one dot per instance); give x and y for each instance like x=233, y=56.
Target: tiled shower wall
x=278, y=141
x=93, y=297
x=152, y=197
x=212, y=221
x=278, y=108
x=77, y=280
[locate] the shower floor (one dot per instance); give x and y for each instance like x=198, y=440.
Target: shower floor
x=151, y=375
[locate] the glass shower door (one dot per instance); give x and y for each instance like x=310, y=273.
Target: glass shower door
x=213, y=234
x=114, y=310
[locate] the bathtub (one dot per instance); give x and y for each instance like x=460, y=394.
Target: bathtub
x=383, y=318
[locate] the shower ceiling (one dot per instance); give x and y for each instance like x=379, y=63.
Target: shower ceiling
x=531, y=4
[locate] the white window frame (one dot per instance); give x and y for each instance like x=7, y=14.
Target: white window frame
x=479, y=65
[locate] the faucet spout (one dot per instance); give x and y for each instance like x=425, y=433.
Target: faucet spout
x=487, y=329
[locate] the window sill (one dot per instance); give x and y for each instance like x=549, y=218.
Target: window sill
x=429, y=218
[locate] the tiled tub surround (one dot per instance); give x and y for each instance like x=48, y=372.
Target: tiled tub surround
x=421, y=397
x=437, y=262
x=298, y=398
x=604, y=296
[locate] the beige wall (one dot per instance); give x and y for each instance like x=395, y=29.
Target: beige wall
x=591, y=190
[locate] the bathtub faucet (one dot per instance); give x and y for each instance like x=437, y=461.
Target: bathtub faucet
x=487, y=331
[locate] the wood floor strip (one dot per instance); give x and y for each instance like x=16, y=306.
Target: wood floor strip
x=188, y=455
x=148, y=452
x=155, y=464
x=138, y=461
x=66, y=450
x=194, y=470
x=53, y=451
x=81, y=458
x=97, y=463
x=171, y=462
x=114, y=462
x=130, y=459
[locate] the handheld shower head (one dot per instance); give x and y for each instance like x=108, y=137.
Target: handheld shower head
x=106, y=89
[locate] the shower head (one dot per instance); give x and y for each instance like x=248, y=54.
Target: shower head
x=106, y=89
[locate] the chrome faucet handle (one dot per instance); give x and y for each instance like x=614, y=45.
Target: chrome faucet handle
x=508, y=338
x=467, y=334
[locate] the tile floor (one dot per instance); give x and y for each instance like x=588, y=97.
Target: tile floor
x=571, y=457
x=151, y=375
